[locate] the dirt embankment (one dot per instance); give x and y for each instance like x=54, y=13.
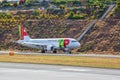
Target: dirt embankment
x=104, y=37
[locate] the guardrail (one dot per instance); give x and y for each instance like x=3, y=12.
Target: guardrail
x=94, y=21
x=108, y=10
x=88, y=28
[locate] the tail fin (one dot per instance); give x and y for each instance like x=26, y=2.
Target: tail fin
x=23, y=34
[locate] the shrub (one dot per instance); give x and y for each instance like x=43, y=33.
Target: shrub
x=62, y=6
x=71, y=15
x=75, y=16
x=117, y=10
x=36, y=12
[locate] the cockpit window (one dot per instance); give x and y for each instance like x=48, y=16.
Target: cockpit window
x=74, y=41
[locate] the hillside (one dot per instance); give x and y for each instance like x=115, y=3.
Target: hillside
x=105, y=36
x=62, y=18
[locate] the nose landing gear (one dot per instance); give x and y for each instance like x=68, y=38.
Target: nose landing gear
x=66, y=50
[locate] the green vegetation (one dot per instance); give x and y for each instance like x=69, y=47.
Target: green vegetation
x=117, y=10
x=76, y=16
x=63, y=60
x=61, y=8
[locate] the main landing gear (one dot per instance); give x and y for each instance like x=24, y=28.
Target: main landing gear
x=53, y=51
x=42, y=51
x=66, y=50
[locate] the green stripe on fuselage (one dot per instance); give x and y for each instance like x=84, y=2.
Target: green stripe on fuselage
x=61, y=43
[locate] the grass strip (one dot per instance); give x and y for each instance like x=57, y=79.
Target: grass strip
x=63, y=60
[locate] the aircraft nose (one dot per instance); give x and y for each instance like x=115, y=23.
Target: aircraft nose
x=78, y=44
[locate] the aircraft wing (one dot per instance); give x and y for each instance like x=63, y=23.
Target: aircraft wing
x=36, y=44
x=39, y=45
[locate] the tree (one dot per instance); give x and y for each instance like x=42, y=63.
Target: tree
x=4, y=3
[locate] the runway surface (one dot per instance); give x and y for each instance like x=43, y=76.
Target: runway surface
x=49, y=54
x=19, y=71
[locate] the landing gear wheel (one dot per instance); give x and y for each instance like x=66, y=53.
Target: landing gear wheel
x=54, y=51
x=42, y=51
x=68, y=51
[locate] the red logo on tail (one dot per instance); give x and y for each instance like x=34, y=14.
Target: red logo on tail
x=23, y=33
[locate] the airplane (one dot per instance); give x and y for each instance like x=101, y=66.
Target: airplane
x=47, y=44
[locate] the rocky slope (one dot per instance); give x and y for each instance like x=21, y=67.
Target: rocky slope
x=105, y=36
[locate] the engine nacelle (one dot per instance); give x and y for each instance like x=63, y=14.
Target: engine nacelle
x=49, y=48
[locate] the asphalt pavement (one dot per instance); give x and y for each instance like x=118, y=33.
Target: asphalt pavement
x=51, y=54
x=20, y=71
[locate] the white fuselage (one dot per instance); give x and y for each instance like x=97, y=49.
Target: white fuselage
x=50, y=42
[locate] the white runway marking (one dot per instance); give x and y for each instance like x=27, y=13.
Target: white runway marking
x=19, y=70
x=28, y=70
x=77, y=70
